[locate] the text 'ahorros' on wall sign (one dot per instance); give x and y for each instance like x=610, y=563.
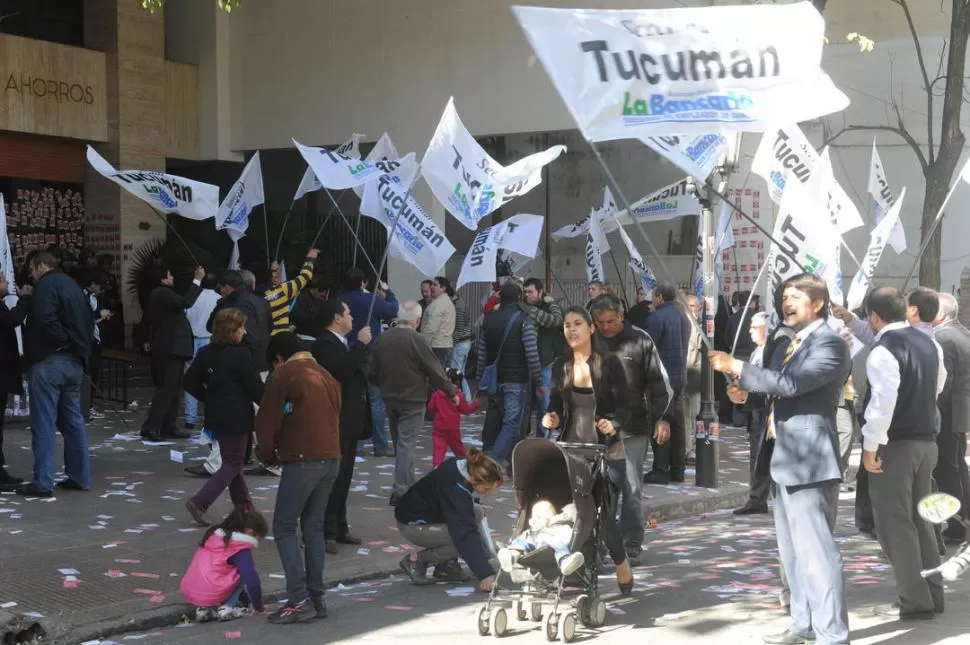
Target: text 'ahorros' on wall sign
x=53, y=90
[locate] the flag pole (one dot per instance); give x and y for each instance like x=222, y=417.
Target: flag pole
x=269, y=259
x=357, y=242
x=316, y=237
x=390, y=237
x=171, y=227
x=286, y=218
x=929, y=236
x=747, y=304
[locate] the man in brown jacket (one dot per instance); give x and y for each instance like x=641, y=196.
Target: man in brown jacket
x=402, y=363
x=298, y=428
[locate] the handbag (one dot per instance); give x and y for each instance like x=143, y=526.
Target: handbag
x=489, y=380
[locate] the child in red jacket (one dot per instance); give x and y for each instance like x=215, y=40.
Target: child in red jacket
x=446, y=431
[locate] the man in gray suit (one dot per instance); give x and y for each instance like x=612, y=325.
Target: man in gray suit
x=951, y=469
x=804, y=384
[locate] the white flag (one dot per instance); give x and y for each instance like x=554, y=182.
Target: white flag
x=608, y=223
x=338, y=171
x=467, y=181
x=882, y=194
x=234, y=256
x=697, y=155
x=786, y=160
x=165, y=193
x=519, y=234
x=596, y=246
x=418, y=240
x=7, y=269
x=384, y=155
x=877, y=243
x=245, y=194
x=667, y=203
x=310, y=183
x=641, y=73
x=639, y=267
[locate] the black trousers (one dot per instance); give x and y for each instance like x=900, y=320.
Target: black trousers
x=760, y=483
x=952, y=475
x=167, y=377
x=93, y=381
x=335, y=522
x=3, y=415
x=670, y=457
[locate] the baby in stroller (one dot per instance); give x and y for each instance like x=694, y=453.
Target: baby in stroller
x=547, y=528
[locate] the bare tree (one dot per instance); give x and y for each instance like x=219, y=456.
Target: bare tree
x=938, y=159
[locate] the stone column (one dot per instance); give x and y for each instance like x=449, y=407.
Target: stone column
x=134, y=42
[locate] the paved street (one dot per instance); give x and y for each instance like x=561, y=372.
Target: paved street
x=710, y=580
x=105, y=561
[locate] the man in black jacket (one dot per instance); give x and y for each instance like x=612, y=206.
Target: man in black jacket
x=236, y=294
x=951, y=469
x=11, y=371
x=57, y=341
x=332, y=351
x=172, y=346
x=647, y=406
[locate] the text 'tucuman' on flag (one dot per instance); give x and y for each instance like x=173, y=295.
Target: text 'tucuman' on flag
x=627, y=74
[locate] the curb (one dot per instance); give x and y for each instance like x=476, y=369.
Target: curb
x=169, y=616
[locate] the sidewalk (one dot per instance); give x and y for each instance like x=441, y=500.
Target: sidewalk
x=94, y=564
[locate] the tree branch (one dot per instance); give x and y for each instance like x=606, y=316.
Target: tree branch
x=901, y=132
x=904, y=4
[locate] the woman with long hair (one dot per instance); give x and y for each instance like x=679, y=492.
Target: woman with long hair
x=586, y=385
x=224, y=377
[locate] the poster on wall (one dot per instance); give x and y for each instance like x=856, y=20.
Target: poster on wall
x=742, y=261
x=40, y=215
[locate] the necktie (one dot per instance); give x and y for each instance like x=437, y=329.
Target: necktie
x=792, y=346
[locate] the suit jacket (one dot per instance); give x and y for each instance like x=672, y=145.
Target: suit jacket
x=171, y=333
x=954, y=400
x=258, y=317
x=806, y=394
x=346, y=365
x=11, y=374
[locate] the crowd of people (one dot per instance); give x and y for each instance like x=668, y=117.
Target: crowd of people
x=295, y=375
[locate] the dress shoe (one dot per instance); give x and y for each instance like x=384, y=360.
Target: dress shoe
x=175, y=433
x=198, y=471
x=349, y=538
x=395, y=498
x=657, y=477
x=319, y=608
x=8, y=482
x=33, y=490
x=332, y=547
x=788, y=637
x=895, y=611
x=197, y=513
x=70, y=484
x=151, y=435
x=752, y=509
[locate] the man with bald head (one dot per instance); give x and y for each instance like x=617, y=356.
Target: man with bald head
x=954, y=403
x=906, y=375
x=402, y=364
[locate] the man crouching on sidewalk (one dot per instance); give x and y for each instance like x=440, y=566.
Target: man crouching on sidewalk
x=297, y=428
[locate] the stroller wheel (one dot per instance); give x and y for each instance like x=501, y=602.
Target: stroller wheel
x=582, y=610
x=483, y=620
x=552, y=627
x=567, y=627
x=597, y=612
x=520, y=611
x=535, y=609
x=500, y=623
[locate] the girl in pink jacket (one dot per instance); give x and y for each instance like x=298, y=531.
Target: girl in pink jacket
x=222, y=581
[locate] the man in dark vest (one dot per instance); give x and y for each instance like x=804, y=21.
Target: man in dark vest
x=906, y=375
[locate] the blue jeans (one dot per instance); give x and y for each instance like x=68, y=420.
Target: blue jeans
x=302, y=500
x=459, y=357
x=513, y=402
x=191, y=404
x=55, y=405
x=544, y=403
x=378, y=416
x=631, y=488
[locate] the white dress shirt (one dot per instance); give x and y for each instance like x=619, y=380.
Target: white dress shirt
x=343, y=339
x=882, y=371
x=198, y=314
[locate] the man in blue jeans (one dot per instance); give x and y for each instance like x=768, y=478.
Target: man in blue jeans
x=298, y=429
x=57, y=341
x=546, y=315
x=508, y=341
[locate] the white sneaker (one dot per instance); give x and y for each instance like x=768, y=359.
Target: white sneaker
x=507, y=558
x=94, y=414
x=205, y=614
x=572, y=563
x=231, y=613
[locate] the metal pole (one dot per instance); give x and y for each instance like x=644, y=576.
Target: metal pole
x=357, y=242
x=706, y=433
x=286, y=218
x=547, y=233
x=929, y=236
x=316, y=237
x=356, y=232
x=269, y=259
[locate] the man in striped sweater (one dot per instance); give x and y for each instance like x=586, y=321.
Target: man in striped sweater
x=280, y=295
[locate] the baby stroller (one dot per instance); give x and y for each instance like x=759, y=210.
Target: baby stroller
x=561, y=473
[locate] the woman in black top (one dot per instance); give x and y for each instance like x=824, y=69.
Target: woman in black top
x=586, y=384
x=224, y=377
